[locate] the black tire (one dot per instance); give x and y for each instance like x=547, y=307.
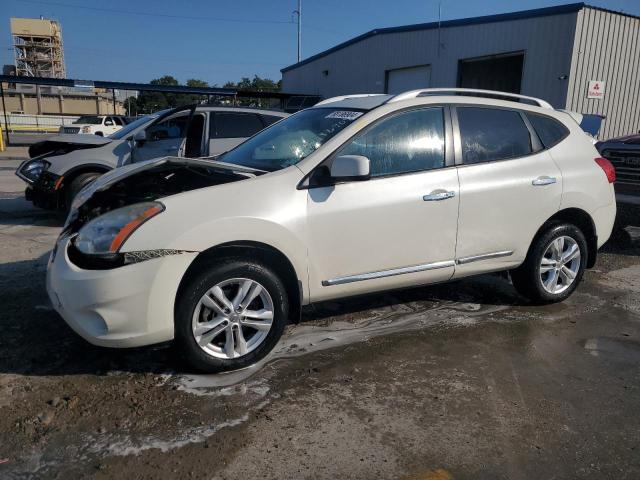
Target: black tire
x=78, y=184
x=201, y=282
x=527, y=279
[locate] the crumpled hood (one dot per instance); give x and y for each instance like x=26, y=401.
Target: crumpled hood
x=64, y=143
x=148, y=181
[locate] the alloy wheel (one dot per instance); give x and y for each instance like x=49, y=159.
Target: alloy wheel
x=560, y=264
x=233, y=318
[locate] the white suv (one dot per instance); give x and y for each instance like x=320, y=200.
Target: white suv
x=101, y=125
x=358, y=194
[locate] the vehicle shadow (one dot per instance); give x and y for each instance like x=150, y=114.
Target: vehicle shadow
x=35, y=341
x=624, y=241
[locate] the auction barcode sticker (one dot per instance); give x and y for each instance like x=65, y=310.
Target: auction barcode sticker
x=344, y=114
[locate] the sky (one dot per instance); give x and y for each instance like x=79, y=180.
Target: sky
x=224, y=40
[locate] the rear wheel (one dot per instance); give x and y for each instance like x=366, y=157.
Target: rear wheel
x=554, y=265
x=230, y=316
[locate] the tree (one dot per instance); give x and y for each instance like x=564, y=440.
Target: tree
x=257, y=83
x=149, y=101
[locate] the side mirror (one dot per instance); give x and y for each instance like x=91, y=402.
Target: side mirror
x=108, y=123
x=140, y=136
x=350, y=168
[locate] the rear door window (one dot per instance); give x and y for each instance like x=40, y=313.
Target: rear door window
x=489, y=134
x=550, y=131
x=234, y=125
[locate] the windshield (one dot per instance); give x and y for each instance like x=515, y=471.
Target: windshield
x=126, y=130
x=90, y=119
x=290, y=140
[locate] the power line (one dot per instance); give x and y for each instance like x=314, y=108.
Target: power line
x=162, y=15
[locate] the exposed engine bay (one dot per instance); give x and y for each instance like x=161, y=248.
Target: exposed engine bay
x=159, y=179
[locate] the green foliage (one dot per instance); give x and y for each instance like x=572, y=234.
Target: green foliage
x=148, y=102
x=257, y=83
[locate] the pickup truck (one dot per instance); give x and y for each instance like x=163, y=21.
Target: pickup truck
x=102, y=125
x=624, y=154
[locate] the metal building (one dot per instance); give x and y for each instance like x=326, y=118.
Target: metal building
x=575, y=56
x=37, y=44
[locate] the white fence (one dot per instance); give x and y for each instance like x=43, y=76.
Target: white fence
x=19, y=122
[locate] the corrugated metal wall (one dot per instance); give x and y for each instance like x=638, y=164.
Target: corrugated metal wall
x=607, y=48
x=360, y=67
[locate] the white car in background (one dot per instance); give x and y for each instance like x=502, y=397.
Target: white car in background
x=356, y=195
x=101, y=125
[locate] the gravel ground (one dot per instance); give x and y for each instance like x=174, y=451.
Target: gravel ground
x=457, y=381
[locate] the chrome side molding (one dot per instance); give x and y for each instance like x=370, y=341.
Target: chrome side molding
x=484, y=256
x=414, y=269
x=387, y=273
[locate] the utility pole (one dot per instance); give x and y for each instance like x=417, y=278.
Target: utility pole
x=439, y=22
x=298, y=13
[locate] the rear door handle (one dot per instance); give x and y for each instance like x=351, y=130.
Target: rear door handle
x=438, y=195
x=544, y=180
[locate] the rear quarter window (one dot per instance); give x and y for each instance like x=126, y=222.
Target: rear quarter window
x=549, y=130
x=269, y=119
x=234, y=125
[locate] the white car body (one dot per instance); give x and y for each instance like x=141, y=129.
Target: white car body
x=104, y=125
x=349, y=238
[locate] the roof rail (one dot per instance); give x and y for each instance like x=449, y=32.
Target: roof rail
x=345, y=97
x=487, y=93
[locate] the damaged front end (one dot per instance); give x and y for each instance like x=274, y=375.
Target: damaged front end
x=121, y=192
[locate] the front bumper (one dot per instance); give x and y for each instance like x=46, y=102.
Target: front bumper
x=45, y=192
x=49, y=200
x=129, y=306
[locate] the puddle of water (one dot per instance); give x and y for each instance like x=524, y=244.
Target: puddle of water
x=303, y=339
x=128, y=446
x=626, y=351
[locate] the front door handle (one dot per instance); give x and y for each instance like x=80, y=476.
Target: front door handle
x=544, y=180
x=438, y=195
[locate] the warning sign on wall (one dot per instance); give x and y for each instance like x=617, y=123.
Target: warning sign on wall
x=596, y=89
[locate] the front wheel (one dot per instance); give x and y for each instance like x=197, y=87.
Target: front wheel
x=77, y=184
x=554, y=265
x=230, y=316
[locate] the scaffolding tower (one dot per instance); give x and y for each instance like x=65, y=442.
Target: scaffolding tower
x=37, y=44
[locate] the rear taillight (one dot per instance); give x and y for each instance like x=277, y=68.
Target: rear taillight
x=608, y=168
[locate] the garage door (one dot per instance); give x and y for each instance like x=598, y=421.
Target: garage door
x=403, y=79
x=499, y=72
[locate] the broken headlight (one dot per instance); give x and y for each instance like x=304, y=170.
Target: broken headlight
x=107, y=233
x=32, y=169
